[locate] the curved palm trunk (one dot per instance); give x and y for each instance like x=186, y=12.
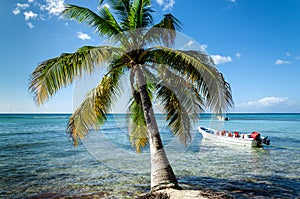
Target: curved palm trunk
x=162, y=175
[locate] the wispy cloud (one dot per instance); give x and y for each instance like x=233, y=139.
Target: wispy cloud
x=106, y=6
x=103, y=6
x=53, y=7
x=30, y=15
x=281, y=62
x=167, y=4
x=238, y=55
x=266, y=104
x=190, y=43
x=30, y=25
x=83, y=36
x=203, y=47
x=193, y=45
x=42, y=10
x=160, y=2
x=288, y=60
x=271, y=101
x=233, y=1
x=219, y=59
x=20, y=7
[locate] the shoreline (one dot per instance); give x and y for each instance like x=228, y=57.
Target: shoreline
x=160, y=194
x=186, y=194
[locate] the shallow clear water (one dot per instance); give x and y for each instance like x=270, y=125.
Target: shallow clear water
x=37, y=159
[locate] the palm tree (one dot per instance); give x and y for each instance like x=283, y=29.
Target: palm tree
x=183, y=82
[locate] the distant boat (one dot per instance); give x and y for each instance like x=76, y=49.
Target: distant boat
x=250, y=140
x=221, y=118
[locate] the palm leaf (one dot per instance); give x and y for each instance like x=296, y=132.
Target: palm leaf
x=122, y=10
x=104, y=24
x=53, y=74
x=138, y=133
x=201, y=72
x=164, y=32
x=91, y=114
x=177, y=115
x=181, y=102
x=139, y=15
x=187, y=94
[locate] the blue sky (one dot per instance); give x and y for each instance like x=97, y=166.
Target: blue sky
x=254, y=42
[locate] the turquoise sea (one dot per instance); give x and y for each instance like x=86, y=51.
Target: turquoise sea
x=38, y=159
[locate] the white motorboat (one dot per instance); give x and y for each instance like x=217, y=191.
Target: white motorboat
x=221, y=118
x=251, y=140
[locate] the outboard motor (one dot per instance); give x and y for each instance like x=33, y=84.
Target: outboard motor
x=266, y=141
x=256, y=136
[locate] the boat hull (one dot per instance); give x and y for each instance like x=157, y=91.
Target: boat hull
x=211, y=135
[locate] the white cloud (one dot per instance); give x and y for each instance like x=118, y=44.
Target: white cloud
x=218, y=59
x=30, y=25
x=280, y=62
x=103, y=6
x=272, y=101
x=203, y=47
x=190, y=43
x=159, y=2
x=238, y=55
x=288, y=54
x=16, y=11
x=167, y=4
x=43, y=11
x=53, y=7
x=233, y=1
x=30, y=15
x=106, y=6
x=267, y=102
x=83, y=36
x=18, y=8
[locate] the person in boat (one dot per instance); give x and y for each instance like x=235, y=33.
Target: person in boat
x=223, y=133
x=236, y=134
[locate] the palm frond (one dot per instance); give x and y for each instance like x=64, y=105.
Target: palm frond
x=184, y=90
x=178, y=118
x=198, y=68
x=106, y=15
x=169, y=22
x=180, y=100
x=53, y=74
x=91, y=114
x=138, y=133
x=140, y=14
x=104, y=24
x=164, y=32
x=121, y=10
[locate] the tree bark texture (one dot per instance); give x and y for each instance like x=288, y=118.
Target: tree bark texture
x=162, y=175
